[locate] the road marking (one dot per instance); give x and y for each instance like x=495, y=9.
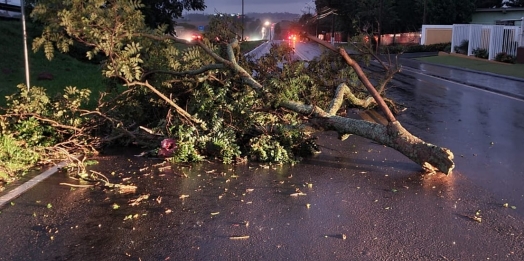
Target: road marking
x=11, y=195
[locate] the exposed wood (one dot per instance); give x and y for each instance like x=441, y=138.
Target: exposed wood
x=429, y=156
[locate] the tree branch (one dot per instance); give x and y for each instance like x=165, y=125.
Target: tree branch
x=178, y=109
x=344, y=91
x=429, y=156
x=200, y=70
x=361, y=76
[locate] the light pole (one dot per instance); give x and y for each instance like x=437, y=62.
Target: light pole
x=242, y=20
x=267, y=23
x=26, y=55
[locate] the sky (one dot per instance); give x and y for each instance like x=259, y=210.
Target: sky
x=258, y=6
x=250, y=6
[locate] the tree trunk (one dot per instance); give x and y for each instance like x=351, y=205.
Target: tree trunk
x=429, y=156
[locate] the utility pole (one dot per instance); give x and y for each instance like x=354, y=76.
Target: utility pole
x=242, y=20
x=333, y=29
x=26, y=55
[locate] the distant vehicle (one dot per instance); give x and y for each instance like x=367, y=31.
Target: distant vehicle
x=196, y=37
x=292, y=37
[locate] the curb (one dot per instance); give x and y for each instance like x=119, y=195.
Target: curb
x=29, y=184
x=414, y=71
x=467, y=70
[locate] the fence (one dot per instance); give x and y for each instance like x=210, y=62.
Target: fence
x=402, y=38
x=493, y=38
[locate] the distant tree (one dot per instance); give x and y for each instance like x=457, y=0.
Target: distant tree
x=411, y=15
x=158, y=12
x=488, y=3
x=277, y=31
x=254, y=27
x=515, y=3
x=449, y=11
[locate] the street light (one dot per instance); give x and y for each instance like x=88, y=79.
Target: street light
x=242, y=20
x=267, y=23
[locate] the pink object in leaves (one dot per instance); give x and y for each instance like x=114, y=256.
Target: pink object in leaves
x=167, y=147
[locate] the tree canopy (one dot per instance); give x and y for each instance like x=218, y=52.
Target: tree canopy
x=394, y=16
x=216, y=103
x=161, y=12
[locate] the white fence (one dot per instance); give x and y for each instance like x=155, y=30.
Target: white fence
x=493, y=38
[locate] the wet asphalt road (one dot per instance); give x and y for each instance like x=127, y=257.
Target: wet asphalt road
x=482, y=126
x=355, y=201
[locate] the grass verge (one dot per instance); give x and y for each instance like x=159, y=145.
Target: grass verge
x=514, y=70
x=65, y=70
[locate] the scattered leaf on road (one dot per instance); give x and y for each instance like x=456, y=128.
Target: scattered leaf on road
x=238, y=237
x=298, y=194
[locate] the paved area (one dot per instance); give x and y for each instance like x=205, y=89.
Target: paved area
x=506, y=85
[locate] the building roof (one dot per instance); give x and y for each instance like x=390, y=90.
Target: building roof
x=500, y=9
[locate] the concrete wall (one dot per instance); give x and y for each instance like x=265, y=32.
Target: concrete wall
x=433, y=34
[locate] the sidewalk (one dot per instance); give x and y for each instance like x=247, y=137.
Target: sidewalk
x=505, y=85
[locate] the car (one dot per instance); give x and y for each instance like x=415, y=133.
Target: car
x=196, y=37
x=292, y=37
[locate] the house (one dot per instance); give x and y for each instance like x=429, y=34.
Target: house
x=499, y=16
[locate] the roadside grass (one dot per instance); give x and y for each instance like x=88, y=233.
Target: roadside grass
x=66, y=70
x=514, y=70
x=247, y=46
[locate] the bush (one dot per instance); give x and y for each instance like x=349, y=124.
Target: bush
x=416, y=48
x=481, y=53
x=463, y=47
x=505, y=58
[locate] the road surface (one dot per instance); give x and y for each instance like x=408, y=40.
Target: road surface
x=355, y=201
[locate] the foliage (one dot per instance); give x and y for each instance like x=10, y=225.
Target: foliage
x=233, y=114
x=415, y=48
x=488, y=3
x=463, y=47
x=164, y=12
x=36, y=127
x=223, y=27
x=481, y=53
x=393, y=16
x=15, y=156
x=183, y=93
x=505, y=58
x=66, y=72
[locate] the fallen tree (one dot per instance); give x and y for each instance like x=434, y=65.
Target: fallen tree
x=206, y=96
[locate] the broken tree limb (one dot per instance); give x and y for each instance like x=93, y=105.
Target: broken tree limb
x=178, y=109
x=343, y=92
x=361, y=76
x=393, y=135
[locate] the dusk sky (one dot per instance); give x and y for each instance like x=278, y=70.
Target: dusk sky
x=250, y=6
x=257, y=6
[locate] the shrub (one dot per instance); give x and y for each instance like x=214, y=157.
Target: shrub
x=505, y=58
x=463, y=47
x=481, y=53
x=416, y=48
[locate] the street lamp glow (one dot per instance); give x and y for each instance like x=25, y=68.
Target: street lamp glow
x=267, y=23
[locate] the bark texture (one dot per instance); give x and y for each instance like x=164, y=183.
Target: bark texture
x=429, y=156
